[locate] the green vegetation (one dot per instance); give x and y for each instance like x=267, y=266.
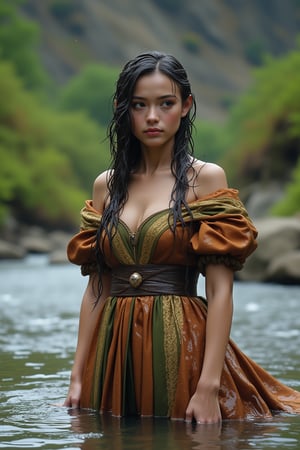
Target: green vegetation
x=170, y=6
x=48, y=158
x=52, y=147
x=260, y=141
x=70, y=14
x=291, y=202
x=91, y=91
x=18, y=42
x=255, y=52
x=263, y=129
x=64, y=9
x=209, y=141
x=192, y=42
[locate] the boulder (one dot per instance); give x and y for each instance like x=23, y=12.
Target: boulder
x=35, y=240
x=278, y=238
x=58, y=257
x=19, y=240
x=277, y=258
x=58, y=242
x=261, y=197
x=11, y=251
x=36, y=244
x=285, y=268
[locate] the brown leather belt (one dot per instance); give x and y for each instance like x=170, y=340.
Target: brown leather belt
x=154, y=279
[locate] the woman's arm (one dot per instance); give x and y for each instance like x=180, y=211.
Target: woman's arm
x=204, y=404
x=87, y=322
x=89, y=311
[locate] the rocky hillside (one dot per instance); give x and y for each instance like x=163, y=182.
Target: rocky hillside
x=218, y=41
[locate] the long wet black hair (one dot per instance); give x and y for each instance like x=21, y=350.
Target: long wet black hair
x=125, y=147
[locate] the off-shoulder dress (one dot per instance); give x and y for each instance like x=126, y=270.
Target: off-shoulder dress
x=147, y=351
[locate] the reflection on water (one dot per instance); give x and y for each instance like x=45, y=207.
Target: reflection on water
x=172, y=435
x=38, y=327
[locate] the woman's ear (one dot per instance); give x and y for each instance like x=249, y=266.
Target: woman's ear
x=187, y=105
x=115, y=104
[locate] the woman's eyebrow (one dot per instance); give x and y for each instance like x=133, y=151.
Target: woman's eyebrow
x=161, y=97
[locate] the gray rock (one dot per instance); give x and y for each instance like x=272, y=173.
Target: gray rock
x=59, y=240
x=58, y=257
x=285, y=268
x=261, y=200
x=36, y=244
x=278, y=239
x=11, y=251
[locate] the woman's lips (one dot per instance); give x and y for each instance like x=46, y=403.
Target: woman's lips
x=153, y=131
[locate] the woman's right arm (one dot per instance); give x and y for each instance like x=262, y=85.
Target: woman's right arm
x=89, y=312
x=87, y=323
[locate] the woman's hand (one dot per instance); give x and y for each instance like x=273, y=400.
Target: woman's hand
x=73, y=397
x=204, y=407
x=88, y=320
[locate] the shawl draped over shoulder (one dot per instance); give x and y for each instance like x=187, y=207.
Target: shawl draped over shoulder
x=224, y=232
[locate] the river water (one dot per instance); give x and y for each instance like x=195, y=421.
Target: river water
x=39, y=306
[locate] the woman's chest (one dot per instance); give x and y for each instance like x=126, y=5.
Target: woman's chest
x=144, y=200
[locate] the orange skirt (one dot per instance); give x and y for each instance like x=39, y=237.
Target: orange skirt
x=146, y=358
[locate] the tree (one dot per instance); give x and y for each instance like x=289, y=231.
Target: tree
x=91, y=91
x=264, y=144
x=48, y=159
x=18, y=43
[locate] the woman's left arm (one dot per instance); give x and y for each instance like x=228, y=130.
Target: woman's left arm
x=204, y=404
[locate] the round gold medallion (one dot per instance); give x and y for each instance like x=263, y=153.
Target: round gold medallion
x=135, y=279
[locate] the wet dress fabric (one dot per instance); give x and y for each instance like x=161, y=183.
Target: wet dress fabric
x=147, y=350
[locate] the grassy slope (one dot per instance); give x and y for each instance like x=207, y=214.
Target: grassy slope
x=116, y=30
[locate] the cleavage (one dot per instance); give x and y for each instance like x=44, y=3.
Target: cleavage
x=134, y=225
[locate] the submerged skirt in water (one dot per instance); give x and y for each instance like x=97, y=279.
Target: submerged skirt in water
x=146, y=359
x=147, y=351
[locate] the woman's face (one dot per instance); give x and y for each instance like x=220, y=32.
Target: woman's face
x=156, y=110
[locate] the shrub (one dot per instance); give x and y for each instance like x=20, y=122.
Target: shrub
x=91, y=91
x=70, y=14
x=255, y=52
x=171, y=6
x=64, y=9
x=191, y=42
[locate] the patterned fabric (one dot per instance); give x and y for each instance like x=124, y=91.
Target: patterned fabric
x=147, y=351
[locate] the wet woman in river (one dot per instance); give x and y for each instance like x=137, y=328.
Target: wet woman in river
x=147, y=344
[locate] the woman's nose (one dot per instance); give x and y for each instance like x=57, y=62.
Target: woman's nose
x=152, y=115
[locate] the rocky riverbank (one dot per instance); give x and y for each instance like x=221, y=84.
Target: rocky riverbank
x=34, y=240
x=277, y=258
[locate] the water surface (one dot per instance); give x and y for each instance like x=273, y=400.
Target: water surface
x=39, y=307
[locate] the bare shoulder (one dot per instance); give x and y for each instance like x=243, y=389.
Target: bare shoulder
x=100, y=190
x=209, y=177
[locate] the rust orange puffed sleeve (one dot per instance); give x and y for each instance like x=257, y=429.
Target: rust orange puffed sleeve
x=226, y=234
x=80, y=249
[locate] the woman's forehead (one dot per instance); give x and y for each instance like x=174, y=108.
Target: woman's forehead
x=155, y=82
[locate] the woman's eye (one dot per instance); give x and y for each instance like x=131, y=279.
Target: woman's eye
x=167, y=103
x=138, y=105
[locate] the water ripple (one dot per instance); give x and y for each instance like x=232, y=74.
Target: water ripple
x=38, y=331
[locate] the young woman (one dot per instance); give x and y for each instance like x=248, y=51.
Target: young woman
x=147, y=344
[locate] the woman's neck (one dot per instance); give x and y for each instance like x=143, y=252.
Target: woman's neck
x=155, y=160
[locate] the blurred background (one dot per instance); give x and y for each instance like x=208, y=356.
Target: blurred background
x=59, y=60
